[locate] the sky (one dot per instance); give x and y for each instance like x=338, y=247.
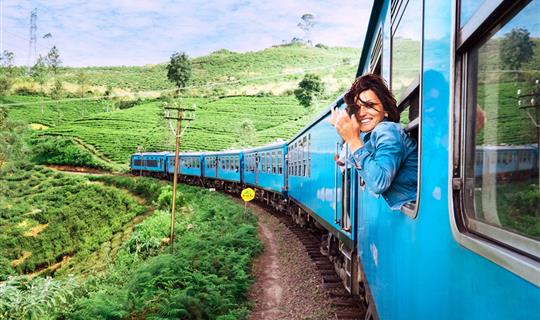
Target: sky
x=137, y=32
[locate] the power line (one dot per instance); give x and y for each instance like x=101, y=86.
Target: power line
x=208, y=85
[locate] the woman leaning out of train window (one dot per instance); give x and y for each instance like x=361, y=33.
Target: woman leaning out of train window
x=384, y=155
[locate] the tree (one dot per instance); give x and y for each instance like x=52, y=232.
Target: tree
x=306, y=24
x=38, y=72
x=11, y=144
x=53, y=60
x=247, y=134
x=516, y=48
x=82, y=80
x=7, y=71
x=179, y=70
x=309, y=90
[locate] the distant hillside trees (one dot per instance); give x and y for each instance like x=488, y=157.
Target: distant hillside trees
x=309, y=90
x=38, y=72
x=54, y=63
x=179, y=70
x=516, y=48
x=7, y=71
x=53, y=60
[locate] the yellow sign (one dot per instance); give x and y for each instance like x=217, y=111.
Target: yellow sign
x=247, y=194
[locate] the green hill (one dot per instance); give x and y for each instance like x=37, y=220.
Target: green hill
x=227, y=88
x=275, y=69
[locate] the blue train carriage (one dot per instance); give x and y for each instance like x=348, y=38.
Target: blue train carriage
x=190, y=166
x=264, y=170
x=507, y=162
x=320, y=191
x=148, y=163
x=468, y=248
x=223, y=170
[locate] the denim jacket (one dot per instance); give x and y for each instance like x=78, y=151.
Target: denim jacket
x=388, y=163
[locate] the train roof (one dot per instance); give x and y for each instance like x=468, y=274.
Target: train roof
x=274, y=145
x=160, y=153
x=224, y=152
x=509, y=147
x=187, y=154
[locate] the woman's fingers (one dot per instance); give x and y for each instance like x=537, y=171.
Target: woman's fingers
x=333, y=117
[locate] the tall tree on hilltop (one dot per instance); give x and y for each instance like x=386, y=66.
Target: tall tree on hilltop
x=307, y=23
x=309, y=90
x=179, y=70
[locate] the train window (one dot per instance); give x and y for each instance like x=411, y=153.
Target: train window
x=280, y=162
x=406, y=48
x=468, y=8
x=500, y=115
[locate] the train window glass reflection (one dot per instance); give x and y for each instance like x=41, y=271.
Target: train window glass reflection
x=406, y=49
x=503, y=112
x=468, y=8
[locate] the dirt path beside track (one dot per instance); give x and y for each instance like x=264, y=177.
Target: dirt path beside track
x=287, y=286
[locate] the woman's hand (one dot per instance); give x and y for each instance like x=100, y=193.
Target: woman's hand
x=347, y=127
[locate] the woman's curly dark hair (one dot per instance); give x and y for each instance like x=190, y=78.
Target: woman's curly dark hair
x=378, y=85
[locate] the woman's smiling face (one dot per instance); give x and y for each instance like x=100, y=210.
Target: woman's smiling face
x=370, y=110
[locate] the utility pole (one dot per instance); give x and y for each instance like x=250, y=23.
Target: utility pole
x=32, y=50
x=532, y=101
x=178, y=133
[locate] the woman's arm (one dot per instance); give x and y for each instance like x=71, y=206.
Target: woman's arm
x=379, y=165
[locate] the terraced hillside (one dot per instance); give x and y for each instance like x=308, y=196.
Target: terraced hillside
x=47, y=217
x=116, y=135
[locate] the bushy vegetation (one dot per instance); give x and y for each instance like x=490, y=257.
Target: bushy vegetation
x=62, y=151
x=207, y=277
x=46, y=217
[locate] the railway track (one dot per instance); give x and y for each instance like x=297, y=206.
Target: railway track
x=345, y=306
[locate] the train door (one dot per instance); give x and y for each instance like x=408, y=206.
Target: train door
x=343, y=179
x=257, y=161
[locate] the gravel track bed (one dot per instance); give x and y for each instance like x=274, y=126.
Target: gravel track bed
x=288, y=285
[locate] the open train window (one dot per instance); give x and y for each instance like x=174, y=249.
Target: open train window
x=280, y=162
x=405, y=69
x=498, y=116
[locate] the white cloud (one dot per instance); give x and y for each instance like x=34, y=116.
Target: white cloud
x=128, y=32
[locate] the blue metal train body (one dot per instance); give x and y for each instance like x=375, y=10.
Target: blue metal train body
x=149, y=161
x=264, y=167
x=191, y=164
x=432, y=258
x=228, y=165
